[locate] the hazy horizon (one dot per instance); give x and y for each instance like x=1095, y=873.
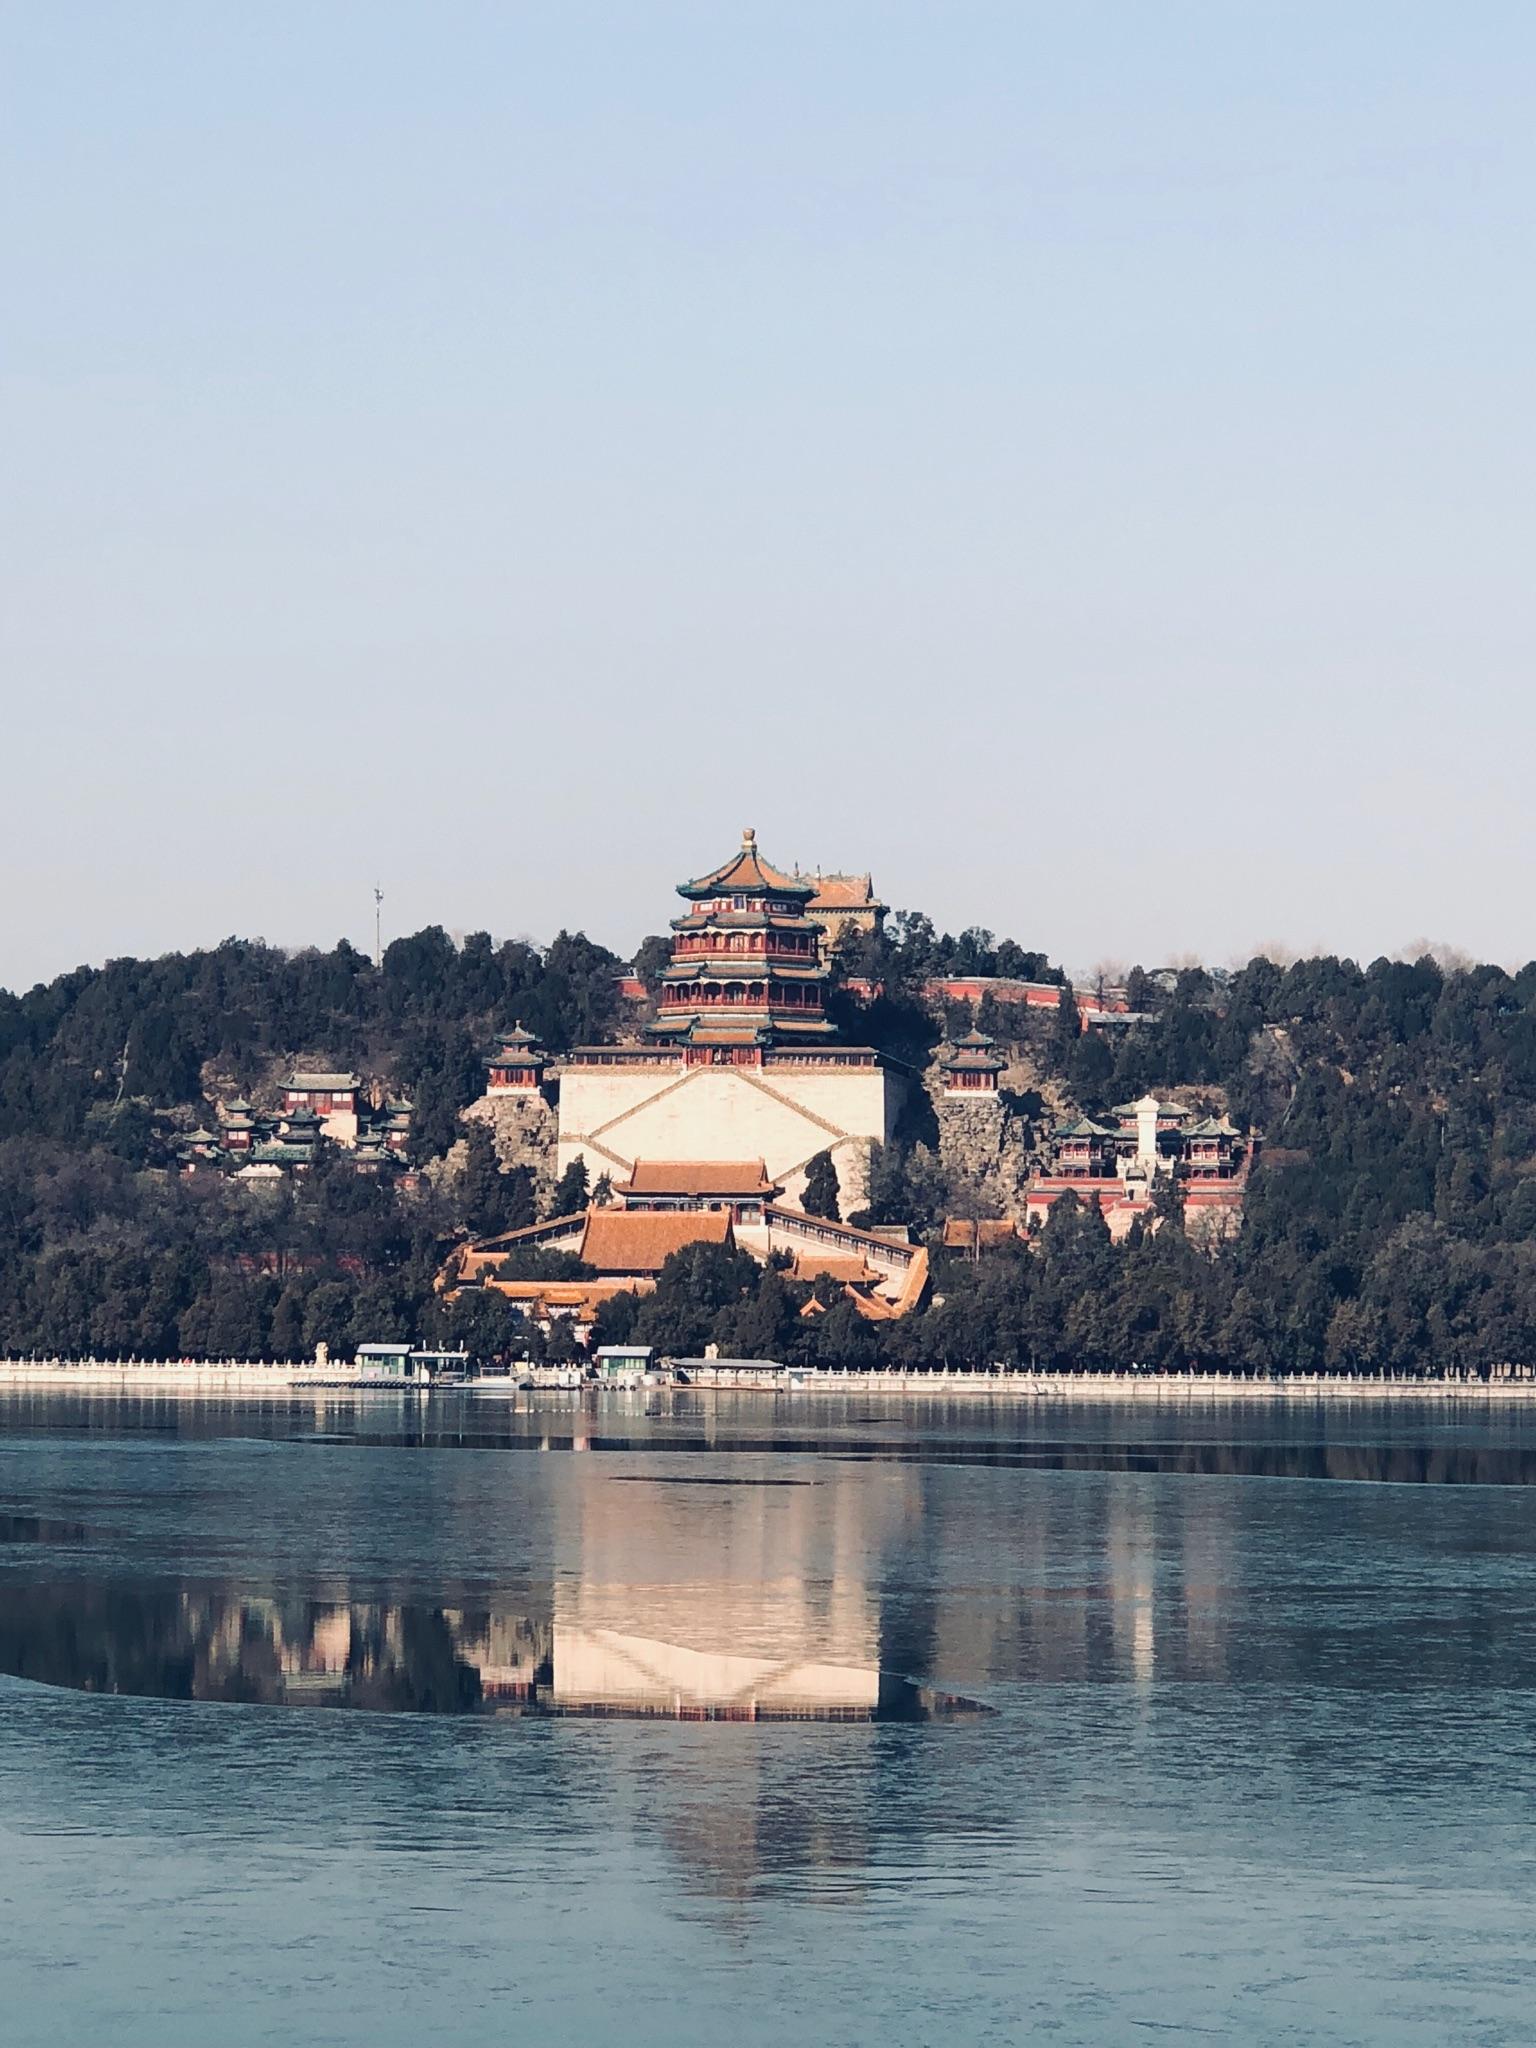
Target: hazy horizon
x=1073, y=466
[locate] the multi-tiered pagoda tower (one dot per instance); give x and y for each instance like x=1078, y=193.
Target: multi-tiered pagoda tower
x=746, y=966
x=740, y=1062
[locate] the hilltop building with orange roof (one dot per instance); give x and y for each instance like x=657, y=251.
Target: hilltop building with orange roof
x=663, y=1209
x=842, y=904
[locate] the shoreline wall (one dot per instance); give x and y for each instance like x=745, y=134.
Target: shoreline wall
x=239, y=1377
x=187, y=1376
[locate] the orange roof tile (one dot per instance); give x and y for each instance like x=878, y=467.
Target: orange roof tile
x=641, y=1241
x=531, y=1233
x=984, y=1230
x=876, y=1308
x=698, y=1177
x=586, y=1295
x=747, y=872
x=844, y=1233
x=851, y=1271
x=843, y=892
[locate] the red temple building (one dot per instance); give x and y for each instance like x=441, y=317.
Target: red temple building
x=516, y=1066
x=1086, y=1151
x=262, y=1145
x=973, y=1067
x=1213, y=1150
x=237, y=1125
x=327, y=1095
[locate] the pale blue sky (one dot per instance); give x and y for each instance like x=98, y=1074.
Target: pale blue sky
x=1074, y=460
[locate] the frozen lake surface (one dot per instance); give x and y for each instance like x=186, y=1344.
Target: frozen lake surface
x=654, y=1719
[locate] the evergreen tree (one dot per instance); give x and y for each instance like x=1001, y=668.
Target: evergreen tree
x=1090, y=1068
x=560, y=1346
x=287, y=1336
x=328, y=1318
x=654, y=954
x=483, y=1324
x=1066, y=1029
x=442, y=1070
x=237, y=1324
x=1168, y=1201
x=482, y=1191
x=906, y=1185
x=692, y=1288
x=571, y=1191
x=538, y=1262
x=615, y=1321
x=520, y=1209
x=821, y=1187
x=762, y=1325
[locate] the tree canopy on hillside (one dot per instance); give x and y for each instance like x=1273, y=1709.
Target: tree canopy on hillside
x=1391, y=1224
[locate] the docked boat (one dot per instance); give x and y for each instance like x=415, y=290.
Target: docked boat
x=625, y=1365
x=397, y=1368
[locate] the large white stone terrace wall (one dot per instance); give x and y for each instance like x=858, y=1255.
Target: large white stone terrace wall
x=612, y=1116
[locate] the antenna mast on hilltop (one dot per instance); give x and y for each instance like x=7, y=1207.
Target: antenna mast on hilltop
x=378, y=926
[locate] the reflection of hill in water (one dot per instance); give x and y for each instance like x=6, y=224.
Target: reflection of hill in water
x=580, y=1596
x=209, y=1643
x=693, y=1603
x=206, y=1643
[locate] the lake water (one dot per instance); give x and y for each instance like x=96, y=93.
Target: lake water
x=674, y=1719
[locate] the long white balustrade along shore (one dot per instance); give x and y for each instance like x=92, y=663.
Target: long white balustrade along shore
x=176, y=1375
x=211, y=1378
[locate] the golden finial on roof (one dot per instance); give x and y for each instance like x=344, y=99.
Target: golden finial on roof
x=748, y=838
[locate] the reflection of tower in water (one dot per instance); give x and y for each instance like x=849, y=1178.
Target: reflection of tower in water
x=664, y=1596
x=1208, y=1544
x=743, y=1600
x=1120, y=1577
x=1130, y=1571
x=763, y=1598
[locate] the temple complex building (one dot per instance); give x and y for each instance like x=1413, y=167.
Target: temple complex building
x=237, y=1125
x=1120, y=1165
x=741, y=1060
x=972, y=1235
x=268, y=1145
x=634, y=1244
x=740, y=1186
x=1103, y=1009
x=667, y=1205
x=746, y=960
x=518, y=1106
x=332, y=1098
x=984, y=1144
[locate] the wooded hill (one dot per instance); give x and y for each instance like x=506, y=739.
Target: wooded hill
x=1392, y=1223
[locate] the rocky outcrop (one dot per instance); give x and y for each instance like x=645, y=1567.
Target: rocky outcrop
x=524, y=1130
x=985, y=1149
